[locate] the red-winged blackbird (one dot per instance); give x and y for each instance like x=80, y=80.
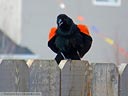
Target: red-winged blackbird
x=69, y=40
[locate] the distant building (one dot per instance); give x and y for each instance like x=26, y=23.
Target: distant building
x=7, y=46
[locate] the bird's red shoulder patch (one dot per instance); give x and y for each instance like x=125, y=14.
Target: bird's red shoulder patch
x=52, y=33
x=83, y=29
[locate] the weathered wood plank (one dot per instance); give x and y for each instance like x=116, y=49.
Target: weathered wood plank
x=45, y=77
x=123, y=70
x=74, y=78
x=105, y=79
x=14, y=76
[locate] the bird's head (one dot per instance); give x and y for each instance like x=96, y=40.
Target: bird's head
x=64, y=22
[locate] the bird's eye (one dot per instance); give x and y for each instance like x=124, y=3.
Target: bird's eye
x=60, y=20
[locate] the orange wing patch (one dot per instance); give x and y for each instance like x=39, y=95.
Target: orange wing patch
x=52, y=33
x=83, y=29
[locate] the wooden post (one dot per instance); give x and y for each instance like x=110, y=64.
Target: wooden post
x=123, y=70
x=14, y=76
x=45, y=77
x=105, y=79
x=74, y=78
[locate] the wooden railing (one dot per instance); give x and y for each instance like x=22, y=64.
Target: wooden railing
x=70, y=78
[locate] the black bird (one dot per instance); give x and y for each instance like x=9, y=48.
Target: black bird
x=69, y=40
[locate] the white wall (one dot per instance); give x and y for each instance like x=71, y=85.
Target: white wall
x=10, y=18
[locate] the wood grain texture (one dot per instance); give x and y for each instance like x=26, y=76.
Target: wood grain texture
x=123, y=68
x=45, y=77
x=105, y=79
x=14, y=76
x=74, y=78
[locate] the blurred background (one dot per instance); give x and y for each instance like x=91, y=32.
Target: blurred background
x=25, y=25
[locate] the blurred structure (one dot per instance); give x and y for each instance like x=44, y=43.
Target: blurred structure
x=7, y=46
x=10, y=19
x=27, y=22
